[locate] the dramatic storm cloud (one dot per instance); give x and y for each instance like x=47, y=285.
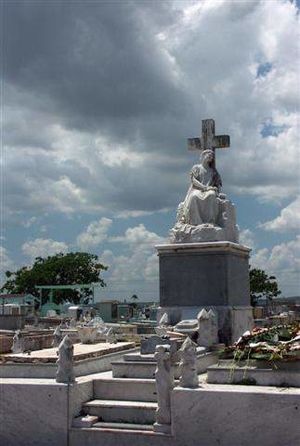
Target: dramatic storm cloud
x=98, y=99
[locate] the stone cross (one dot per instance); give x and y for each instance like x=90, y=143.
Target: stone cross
x=208, y=139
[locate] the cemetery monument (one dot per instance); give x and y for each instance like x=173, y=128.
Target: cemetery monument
x=204, y=265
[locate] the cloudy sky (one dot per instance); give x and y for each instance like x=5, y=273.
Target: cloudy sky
x=97, y=101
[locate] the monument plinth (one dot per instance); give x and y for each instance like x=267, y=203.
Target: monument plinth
x=204, y=266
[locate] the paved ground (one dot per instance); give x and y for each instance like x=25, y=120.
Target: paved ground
x=81, y=351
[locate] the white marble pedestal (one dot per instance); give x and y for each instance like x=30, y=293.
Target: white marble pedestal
x=206, y=275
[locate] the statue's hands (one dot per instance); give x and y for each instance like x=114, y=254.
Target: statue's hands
x=212, y=188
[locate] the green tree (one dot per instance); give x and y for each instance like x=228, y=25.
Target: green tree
x=262, y=285
x=60, y=269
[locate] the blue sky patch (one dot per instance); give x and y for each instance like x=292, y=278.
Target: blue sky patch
x=270, y=129
x=263, y=69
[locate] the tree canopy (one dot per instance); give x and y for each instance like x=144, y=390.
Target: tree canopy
x=262, y=285
x=60, y=269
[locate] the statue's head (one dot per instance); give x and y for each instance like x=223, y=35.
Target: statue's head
x=207, y=157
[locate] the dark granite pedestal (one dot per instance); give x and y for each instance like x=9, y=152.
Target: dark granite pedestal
x=206, y=275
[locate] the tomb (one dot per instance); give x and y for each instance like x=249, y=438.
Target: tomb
x=204, y=266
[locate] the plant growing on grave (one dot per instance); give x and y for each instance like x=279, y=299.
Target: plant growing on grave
x=60, y=269
x=262, y=285
x=278, y=343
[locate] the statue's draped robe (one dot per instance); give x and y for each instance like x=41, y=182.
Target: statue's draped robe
x=202, y=207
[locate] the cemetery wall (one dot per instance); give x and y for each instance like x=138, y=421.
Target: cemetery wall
x=236, y=416
x=39, y=413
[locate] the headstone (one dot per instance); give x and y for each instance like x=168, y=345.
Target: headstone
x=207, y=328
x=187, y=365
x=149, y=345
x=187, y=326
x=164, y=380
x=65, y=371
x=35, y=320
x=164, y=320
x=111, y=337
x=87, y=334
x=162, y=329
x=18, y=342
x=72, y=323
x=57, y=336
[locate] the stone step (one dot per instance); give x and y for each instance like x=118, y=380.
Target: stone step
x=133, y=369
x=140, y=412
x=146, y=369
x=137, y=356
x=114, y=436
x=128, y=389
x=122, y=426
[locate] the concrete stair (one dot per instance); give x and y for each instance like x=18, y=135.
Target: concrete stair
x=123, y=426
x=139, y=412
x=143, y=366
x=125, y=403
x=116, y=436
x=133, y=369
x=129, y=389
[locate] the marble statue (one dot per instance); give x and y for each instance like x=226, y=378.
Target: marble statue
x=164, y=379
x=65, y=370
x=187, y=365
x=206, y=214
x=18, y=342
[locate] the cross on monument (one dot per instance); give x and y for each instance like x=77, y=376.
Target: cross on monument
x=208, y=139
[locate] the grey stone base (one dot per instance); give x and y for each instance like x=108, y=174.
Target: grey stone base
x=232, y=321
x=204, y=274
x=163, y=428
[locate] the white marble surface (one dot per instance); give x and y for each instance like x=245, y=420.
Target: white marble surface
x=233, y=321
x=33, y=415
x=207, y=328
x=236, y=416
x=164, y=379
x=206, y=214
x=230, y=246
x=48, y=370
x=188, y=366
x=38, y=412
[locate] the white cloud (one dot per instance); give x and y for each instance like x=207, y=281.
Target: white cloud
x=247, y=238
x=134, y=160
x=138, y=237
x=288, y=220
x=43, y=248
x=137, y=268
x=29, y=222
x=6, y=262
x=95, y=233
x=110, y=134
x=283, y=261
